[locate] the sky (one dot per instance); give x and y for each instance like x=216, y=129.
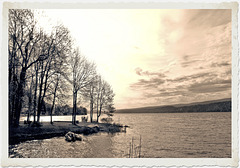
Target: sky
x=154, y=57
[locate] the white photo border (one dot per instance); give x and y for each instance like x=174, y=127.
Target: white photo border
x=148, y=162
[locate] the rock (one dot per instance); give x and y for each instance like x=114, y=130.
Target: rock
x=78, y=137
x=72, y=137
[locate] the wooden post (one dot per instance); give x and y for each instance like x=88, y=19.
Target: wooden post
x=130, y=150
x=132, y=147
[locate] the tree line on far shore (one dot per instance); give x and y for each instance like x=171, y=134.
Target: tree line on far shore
x=46, y=67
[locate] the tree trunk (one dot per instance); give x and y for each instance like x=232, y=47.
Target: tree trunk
x=53, y=103
x=18, y=105
x=97, y=110
x=29, y=109
x=39, y=106
x=41, y=97
x=74, y=107
x=91, y=110
x=39, y=110
x=30, y=101
x=12, y=83
x=35, y=94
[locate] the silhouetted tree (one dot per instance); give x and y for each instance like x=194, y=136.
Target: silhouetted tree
x=83, y=73
x=23, y=39
x=62, y=45
x=40, y=63
x=104, y=95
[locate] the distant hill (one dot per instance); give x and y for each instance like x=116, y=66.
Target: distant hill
x=223, y=105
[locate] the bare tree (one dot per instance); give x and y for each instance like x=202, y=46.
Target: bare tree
x=106, y=98
x=100, y=95
x=47, y=48
x=41, y=61
x=104, y=95
x=62, y=47
x=56, y=47
x=23, y=39
x=83, y=73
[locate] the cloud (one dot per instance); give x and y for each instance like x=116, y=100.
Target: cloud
x=167, y=93
x=210, y=86
x=208, y=17
x=197, y=47
x=151, y=79
x=221, y=64
x=185, y=88
x=140, y=72
x=185, y=64
x=197, y=56
x=202, y=37
x=191, y=77
x=147, y=84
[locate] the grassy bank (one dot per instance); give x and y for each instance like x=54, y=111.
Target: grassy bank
x=25, y=132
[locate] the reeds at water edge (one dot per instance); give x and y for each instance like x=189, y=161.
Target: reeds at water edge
x=135, y=150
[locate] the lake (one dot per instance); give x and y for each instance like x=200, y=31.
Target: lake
x=163, y=135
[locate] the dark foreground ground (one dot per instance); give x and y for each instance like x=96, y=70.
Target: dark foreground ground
x=25, y=132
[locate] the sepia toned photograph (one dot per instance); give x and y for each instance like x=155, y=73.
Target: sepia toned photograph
x=119, y=83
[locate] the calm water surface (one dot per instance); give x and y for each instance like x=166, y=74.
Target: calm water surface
x=164, y=135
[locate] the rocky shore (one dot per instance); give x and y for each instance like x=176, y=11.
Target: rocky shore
x=25, y=132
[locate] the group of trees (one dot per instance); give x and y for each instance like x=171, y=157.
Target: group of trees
x=45, y=67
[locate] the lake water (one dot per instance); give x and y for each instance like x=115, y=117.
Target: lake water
x=163, y=135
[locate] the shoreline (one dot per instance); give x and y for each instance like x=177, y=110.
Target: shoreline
x=25, y=132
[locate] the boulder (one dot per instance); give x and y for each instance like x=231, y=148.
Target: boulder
x=78, y=137
x=72, y=137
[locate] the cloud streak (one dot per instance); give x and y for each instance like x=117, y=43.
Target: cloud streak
x=147, y=84
x=140, y=72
